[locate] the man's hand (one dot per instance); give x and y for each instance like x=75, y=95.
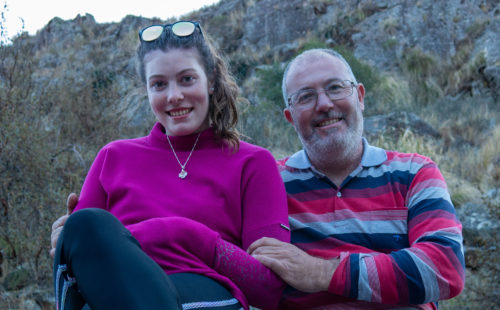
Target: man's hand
x=297, y=268
x=58, y=225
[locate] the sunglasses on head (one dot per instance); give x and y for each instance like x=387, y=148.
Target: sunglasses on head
x=180, y=29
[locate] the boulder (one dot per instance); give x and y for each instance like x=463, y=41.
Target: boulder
x=397, y=123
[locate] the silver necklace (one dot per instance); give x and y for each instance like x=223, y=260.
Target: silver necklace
x=183, y=172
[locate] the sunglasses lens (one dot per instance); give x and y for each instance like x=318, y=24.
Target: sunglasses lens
x=183, y=29
x=151, y=33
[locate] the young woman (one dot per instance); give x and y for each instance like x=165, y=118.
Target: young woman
x=163, y=221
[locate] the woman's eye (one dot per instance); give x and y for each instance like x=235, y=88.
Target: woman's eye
x=158, y=84
x=187, y=79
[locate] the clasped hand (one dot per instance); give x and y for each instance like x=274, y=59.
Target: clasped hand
x=300, y=270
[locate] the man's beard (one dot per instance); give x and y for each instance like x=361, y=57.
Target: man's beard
x=334, y=147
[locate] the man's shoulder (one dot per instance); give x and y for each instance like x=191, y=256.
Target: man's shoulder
x=402, y=157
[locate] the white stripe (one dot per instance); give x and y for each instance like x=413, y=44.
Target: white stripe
x=431, y=192
x=350, y=226
x=364, y=289
x=209, y=304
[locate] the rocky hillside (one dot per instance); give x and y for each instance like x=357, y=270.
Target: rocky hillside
x=431, y=69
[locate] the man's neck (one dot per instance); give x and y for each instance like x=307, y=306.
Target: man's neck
x=339, y=165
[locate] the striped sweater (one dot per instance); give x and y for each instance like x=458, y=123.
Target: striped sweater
x=392, y=224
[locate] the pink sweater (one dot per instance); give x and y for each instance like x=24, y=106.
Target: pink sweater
x=237, y=195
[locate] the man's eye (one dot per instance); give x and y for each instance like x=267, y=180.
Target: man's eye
x=334, y=88
x=305, y=97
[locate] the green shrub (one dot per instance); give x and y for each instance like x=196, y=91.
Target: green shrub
x=263, y=122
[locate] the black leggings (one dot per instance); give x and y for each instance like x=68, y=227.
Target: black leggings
x=100, y=265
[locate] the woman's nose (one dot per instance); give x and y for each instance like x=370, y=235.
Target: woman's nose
x=174, y=93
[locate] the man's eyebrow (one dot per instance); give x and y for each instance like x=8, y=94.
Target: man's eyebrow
x=334, y=80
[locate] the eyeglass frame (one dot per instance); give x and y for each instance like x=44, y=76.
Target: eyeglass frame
x=352, y=85
x=196, y=25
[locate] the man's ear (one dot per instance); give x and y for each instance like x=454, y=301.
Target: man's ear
x=361, y=96
x=288, y=116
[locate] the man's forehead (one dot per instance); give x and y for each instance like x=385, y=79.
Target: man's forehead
x=313, y=56
x=313, y=66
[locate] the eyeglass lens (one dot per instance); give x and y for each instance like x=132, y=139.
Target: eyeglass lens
x=183, y=29
x=180, y=29
x=309, y=97
x=151, y=33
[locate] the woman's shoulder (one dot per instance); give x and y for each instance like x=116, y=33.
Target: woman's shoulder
x=249, y=149
x=126, y=144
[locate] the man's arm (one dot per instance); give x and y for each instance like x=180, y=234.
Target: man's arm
x=430, y=269
x=304, y=272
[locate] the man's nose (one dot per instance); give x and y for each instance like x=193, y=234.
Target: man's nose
x=324, y=103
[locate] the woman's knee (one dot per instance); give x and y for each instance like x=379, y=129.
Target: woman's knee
x=88, y=223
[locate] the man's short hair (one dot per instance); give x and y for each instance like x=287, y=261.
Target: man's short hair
x=307, y=53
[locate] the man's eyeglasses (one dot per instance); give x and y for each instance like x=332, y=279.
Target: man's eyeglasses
x=180, y=29
x=307, y=98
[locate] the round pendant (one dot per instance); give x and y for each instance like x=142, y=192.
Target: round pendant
x=183, y=174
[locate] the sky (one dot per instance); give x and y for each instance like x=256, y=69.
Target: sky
x=37, y=13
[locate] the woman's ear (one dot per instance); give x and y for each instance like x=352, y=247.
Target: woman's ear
x=211, y=83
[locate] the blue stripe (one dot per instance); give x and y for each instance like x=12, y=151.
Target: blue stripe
x=301, y=186
x=306, y=235
x=431, y=204
x=385, y=179
x=413, y=278
x=377, y=242
x=354, y=266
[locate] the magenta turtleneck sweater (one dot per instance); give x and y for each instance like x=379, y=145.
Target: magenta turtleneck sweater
x=238, y=195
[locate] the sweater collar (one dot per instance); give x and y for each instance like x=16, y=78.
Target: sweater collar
x=157, y=137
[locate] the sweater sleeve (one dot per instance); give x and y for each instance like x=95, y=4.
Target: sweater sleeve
x=432, y=268
x=93, y=195
x=264, y=201
x=264, y=214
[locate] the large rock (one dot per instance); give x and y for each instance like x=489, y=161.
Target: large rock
x=480, y=226
x=395, y=124
x=439, y=28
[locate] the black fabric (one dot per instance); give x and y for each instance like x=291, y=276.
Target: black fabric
x=109, y=270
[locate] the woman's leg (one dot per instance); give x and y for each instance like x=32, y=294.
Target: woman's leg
x=178, y=241
x=98, y=261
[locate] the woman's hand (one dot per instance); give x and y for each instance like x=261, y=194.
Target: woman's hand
x=58, y=225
